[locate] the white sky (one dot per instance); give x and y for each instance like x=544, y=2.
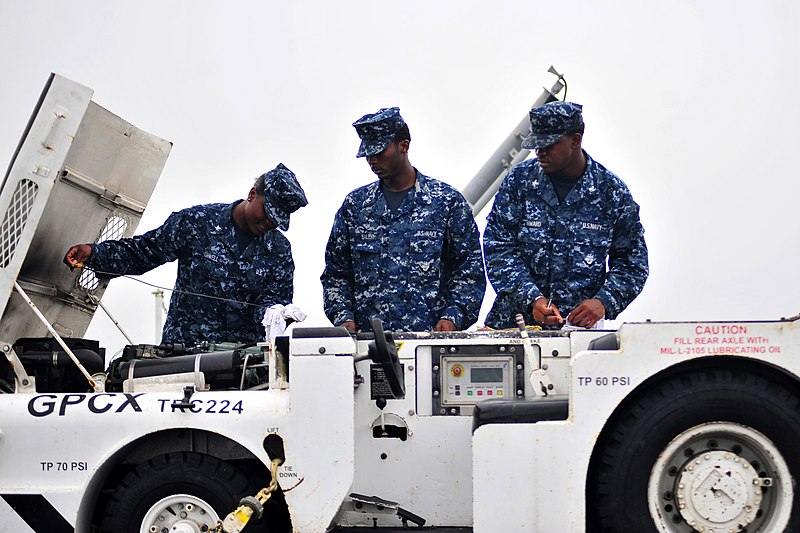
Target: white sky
x=693, y=104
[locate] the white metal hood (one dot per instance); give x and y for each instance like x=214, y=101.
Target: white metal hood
x=79, y=175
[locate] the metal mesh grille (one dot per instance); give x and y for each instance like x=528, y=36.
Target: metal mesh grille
x=15, y=219
x=114, y=229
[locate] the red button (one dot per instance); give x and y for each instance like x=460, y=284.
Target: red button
x=480, y=393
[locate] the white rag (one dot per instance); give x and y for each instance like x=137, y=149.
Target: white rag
x=276, y=316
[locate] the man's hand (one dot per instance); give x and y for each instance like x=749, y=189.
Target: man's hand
x=544, y=312
x=445, y=325
x=77, y=256
x=587, y=313
x=349, y=326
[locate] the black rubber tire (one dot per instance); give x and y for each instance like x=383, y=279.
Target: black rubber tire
x=630, y=445
x=216, y=482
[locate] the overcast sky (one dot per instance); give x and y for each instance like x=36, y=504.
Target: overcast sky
x=692, y=103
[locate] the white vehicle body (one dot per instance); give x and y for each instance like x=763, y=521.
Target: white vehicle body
x=666, y=427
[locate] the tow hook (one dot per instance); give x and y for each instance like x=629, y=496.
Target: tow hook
x=250, y=506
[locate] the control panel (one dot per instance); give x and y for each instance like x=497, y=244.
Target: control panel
x=464, y=375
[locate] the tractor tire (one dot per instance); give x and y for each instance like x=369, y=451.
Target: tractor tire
x=706, y=449
x=186, y=491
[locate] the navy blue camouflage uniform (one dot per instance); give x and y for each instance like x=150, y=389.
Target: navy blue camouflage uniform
x=410, y=267
x=591, y=245
x=242, y=283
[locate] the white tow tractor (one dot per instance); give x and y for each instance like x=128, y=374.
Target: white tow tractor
x=671, y=427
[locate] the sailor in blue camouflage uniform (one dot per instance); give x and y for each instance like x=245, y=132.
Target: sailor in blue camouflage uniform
x=232, y=263
x=564, y=234
x=405, y=248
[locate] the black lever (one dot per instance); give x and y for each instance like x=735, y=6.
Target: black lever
x=186, y=402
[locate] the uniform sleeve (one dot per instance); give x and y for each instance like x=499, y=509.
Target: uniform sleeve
x=627, y=261
x=463, y=276
x=141, y=253
x=505, y=264
x=338, y=281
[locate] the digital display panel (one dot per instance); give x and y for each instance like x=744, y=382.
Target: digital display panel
x=486, y=375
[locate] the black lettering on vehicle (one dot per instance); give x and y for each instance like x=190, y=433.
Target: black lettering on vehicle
x=210, y=409
x=225, y=404
x=131, y=400
x=70, y=399
x=93, y=404
x=48, y=404
x=44, y=408
x=213, y=407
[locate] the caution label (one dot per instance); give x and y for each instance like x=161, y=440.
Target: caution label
x=720, y=339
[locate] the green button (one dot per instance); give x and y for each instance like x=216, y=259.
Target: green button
x=469, y=393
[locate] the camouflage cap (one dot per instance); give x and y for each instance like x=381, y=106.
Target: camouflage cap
x=377, y=130
x=550, y=122
x=283, y=195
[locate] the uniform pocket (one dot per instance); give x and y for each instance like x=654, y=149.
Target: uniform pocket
x=426, y=241
x=533, y=232
x=425, y=248
x=535, y=241
x=367, y=248
x=366, y=264
x=209, y=269
x=256, y=275
x=591, y=248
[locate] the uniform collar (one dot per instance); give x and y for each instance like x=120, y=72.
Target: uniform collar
x=585, y=187
x=421, y=194
x=587, y=184
x=225, y=226
x=421, y=190
x=223, y=222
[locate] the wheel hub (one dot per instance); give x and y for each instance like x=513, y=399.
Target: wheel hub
x=718, y=490
x=720, y=477
x=185, y=527
x=180, y=513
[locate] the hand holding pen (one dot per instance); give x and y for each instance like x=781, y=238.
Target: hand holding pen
x=544, y=312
